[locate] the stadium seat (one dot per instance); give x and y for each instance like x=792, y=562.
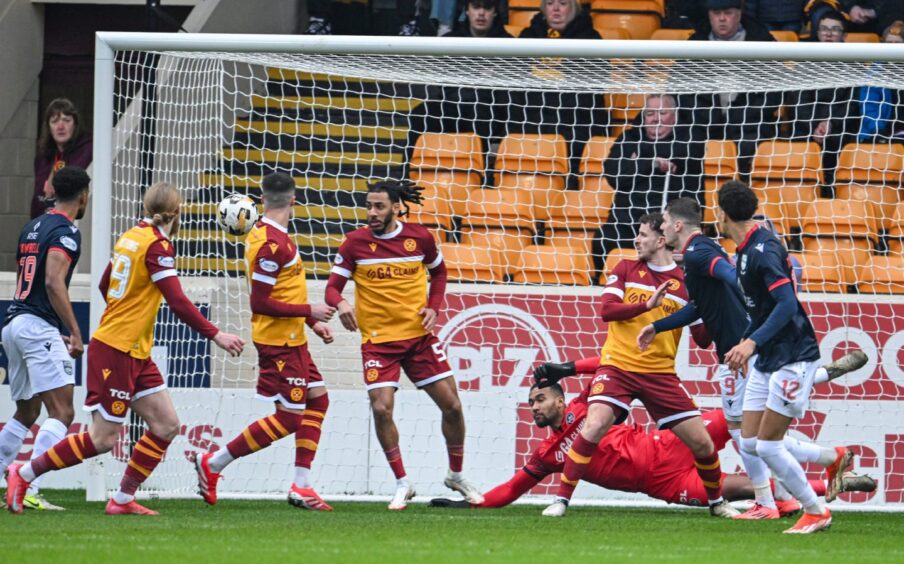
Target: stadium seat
x=785, y=176
x=872, y=172
x=821, y=272
x=614, y=257
x=612, y=33
x=639, y=25
x=521, y=18
x=454, y=160
x=500, y=208
x=665, y=34
x=624, y=107
x=524, y=4
x=780, y=35
x=570, y=237
x=729, y=245
x=895, y=235
x=545, y=264
x=882, y=275
x=579, y=209
x=514, y=30
x=635, y=6
x=848, y=228
x=473, y=263
x=436, y=209
x=720, y=164
x=862, y=38
x=537, y=163
x=883, y=198
x=508, y=243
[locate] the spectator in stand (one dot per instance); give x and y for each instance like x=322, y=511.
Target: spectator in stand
x=651, y=163
x=62, y=142
x=561, y=19
x=891, y=21
x=322, y=12
x=481, y=20
x=834, y=117
x=864, y=16
x=777, y=15
x=743, y=117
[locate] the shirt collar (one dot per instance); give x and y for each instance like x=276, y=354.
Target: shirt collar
x=748, y=236
x=688, y=243
x=272, y=223
x=159, y=228
x=665, y=268
x=54, y=211
x=392, y=233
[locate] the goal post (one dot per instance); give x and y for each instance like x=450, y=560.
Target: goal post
x=517, y=199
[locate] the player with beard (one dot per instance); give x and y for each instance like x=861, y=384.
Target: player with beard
x=121, y=373
x=389, y=261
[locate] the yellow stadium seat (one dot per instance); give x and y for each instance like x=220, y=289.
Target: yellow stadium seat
x=640, y=26
x=614, y=257
x=537, y=163
x=882, y=275
x=579, y=209
x=524, y=4
x=896, y=231
x=612, y=33
x=720, y=164
x=848, y=228
x=454, y=160
x=509, y=243
x=780, y=35
x=871, y=163
x=884, y=199
x=472, y=263
x=862, y=38
x=785, y=176
x=502, y=207
x=631, y=6
x=570, y=237
x=436, y=209
x=521, y=18
x=545, y=264
x=671, y=34
x=514, y=30
x=624, y=107
x=821, y=272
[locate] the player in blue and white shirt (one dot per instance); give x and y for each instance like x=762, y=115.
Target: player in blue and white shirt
x=41, y=361
x=780, y=381
x=716, y=298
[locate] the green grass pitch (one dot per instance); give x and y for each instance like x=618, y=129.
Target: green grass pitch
x=254, y=532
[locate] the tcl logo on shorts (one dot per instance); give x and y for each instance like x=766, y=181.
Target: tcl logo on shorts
x=296, y=381
x=120, y=394
x=373, y=364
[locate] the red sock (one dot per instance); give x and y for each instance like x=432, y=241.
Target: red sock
x=263, y=432
x=72, y=450
x=146, y=455
x=307, y=437
x=394, y=457
x=710, y=471
x=819, y=486
x=575, y=465
x=456, y=457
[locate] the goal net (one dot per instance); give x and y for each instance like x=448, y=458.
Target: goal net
x=537, y=159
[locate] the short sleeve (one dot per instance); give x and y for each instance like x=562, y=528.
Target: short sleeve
x=615, y=282
x=772, y=268
x=344, y=262
x=67, y=242
x=161, y=260
x=433, y=257
x=271, y=257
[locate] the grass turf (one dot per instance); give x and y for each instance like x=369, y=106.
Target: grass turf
x=272, y=531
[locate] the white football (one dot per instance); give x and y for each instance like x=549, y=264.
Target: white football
x=237, y=214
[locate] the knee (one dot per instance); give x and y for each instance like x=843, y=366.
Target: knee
x=597, y=423
x=382, y=411
x=167, y=429
x=767, y=449
x=702, y=446
x=27, y=415
x=452, y=410
x=749, y=446
x=103, y=440
x=64, y=414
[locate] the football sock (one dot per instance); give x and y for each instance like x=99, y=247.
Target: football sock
x=260, y=434
x=307, y=436
x=791, y=474
x=756, y=469
x=11, y=438
x=820, y=376
x=456, y=457
x=710, y=470
x=51, y=432
x=70, y=451
x=803, y=451
x=576, y=463
x=394, y=458
x=146, y=455
x=302, y=477
x=819, y=486
x=779, y=491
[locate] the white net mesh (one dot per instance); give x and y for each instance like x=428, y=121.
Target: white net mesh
x=536, y=170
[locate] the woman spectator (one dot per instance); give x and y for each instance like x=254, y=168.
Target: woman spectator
x=62, y=143
x=561, y=19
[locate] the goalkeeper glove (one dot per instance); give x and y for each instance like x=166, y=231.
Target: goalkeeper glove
x=550, y=373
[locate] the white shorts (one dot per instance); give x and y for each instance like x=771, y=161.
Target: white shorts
x=785, y=391
x=37, y=357
x=731, y=388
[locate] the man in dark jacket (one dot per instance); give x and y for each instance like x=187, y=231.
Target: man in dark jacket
x=482, y=20
x=727, y=22
x=651, y=163
x=786, y=15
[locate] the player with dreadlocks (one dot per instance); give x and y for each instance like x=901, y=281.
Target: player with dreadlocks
x=389, y=261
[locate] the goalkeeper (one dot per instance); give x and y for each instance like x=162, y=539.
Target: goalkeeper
x=628, y=458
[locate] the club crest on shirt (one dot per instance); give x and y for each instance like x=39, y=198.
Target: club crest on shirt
x=674, y=284
x=373, y=246
x=410, y=245
x=118, y=408
x=569, y=419
x=372, y=374
x=297, y=394
x=597, y=389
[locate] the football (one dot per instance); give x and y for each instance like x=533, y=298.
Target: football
x=237, y=214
